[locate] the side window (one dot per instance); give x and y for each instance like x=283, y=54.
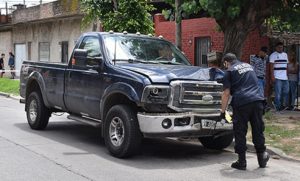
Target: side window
x=92, y=45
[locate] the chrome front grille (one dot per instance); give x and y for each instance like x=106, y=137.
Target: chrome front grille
x=198, y=96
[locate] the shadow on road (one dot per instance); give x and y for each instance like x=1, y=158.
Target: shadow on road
x=243, y=175
x=155, y=153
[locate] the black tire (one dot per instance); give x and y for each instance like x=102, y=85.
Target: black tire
x=35, y=105
x=131, y=142
x=217, y=143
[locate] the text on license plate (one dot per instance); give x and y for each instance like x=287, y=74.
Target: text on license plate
x=206, y=123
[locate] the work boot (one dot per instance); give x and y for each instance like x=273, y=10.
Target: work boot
x=262, y=159
x=241, y=163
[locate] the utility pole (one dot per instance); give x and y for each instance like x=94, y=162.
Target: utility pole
x=6, y=9
x=41, y=1
x=178, y=23
x=24, y=2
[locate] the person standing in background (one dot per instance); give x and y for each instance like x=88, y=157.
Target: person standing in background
x=293, y=69
x=2, y=65
x=278, y=67
x=258, y=63
x=11, y=64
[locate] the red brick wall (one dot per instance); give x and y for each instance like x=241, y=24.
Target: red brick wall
x=205, y=27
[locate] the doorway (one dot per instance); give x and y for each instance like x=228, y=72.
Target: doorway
x=202, y=47
x=20, y=56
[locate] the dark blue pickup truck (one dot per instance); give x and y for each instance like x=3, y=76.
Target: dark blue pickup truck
x=130, y=86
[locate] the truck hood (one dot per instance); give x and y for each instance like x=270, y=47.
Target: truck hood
x=165, y=73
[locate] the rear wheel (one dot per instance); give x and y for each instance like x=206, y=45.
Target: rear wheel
x=37, y=113
x=217, y=143
x=121, y=131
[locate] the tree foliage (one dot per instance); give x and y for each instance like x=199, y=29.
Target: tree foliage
x=119, y=15
x=284, y=15
x=237, y=18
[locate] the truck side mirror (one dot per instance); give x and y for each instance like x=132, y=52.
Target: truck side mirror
x=80, y=57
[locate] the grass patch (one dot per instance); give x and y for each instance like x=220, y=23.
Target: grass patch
x=10, y=86
x=278, y=132
x=281, y=132
x=287, y=139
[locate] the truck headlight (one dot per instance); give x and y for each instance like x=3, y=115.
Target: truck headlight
x=157, y=94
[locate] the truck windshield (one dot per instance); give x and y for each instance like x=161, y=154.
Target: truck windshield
x=131, y=49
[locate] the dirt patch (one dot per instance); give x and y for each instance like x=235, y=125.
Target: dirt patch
x=282, y=131
x=289, y=126
x=291, y=146
x=284, y=120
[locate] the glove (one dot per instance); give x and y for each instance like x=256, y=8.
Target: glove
x=222, y=116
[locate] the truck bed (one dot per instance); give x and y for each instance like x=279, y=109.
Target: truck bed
x=53, y=75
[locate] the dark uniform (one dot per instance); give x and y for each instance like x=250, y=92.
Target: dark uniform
x=247, y=104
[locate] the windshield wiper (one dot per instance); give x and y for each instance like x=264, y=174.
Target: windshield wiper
x=169, y=62
x=136, y=61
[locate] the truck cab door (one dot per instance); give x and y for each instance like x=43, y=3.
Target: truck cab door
x=83, y=82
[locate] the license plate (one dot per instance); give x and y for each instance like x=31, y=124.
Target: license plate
x=227, y=126
x=206, y=123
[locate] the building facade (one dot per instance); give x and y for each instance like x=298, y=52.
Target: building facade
x=5, y=38
x=45, y=33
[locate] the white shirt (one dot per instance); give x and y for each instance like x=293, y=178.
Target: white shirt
x=280, y=61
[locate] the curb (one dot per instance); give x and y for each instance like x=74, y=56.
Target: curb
x=10, y=96
x=4, y=94
x=275, y=153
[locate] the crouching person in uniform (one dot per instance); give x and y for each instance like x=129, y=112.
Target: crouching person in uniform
x=240, y=82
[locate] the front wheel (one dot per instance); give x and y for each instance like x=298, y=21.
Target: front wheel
x=217, y=143
x=121, y=131
x=37, y=113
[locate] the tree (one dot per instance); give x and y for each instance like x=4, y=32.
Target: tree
x=119, y=15
x=286, y=18
x=237, y=18
x=178, y=18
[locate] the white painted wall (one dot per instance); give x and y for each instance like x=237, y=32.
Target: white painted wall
x=6, y=47
x=20, y=56
x=52, y=31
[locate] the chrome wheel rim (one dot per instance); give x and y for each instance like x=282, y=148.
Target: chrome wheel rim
x=116, y=131
x=33, y=110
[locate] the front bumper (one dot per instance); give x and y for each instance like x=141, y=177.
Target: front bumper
x=194, y=124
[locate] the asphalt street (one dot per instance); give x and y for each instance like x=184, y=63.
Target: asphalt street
x=68, y=150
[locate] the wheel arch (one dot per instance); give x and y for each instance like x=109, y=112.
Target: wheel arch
x=116, y=94
x=36, y=82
